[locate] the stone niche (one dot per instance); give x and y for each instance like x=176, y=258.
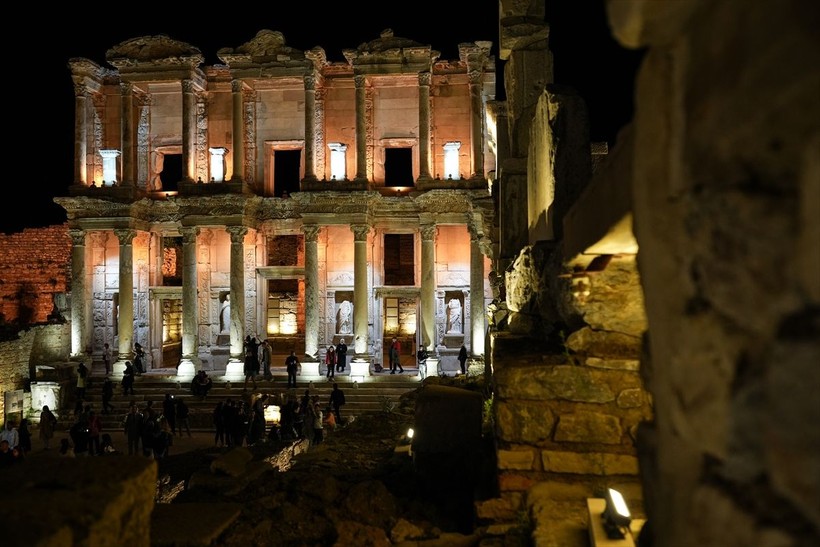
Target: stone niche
x=453, y=335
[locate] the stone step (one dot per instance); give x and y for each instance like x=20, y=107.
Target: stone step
x=376, y=393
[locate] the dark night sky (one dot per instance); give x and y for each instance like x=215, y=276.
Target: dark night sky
x=585, y=57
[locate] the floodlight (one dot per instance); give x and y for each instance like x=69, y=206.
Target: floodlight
x=616, y=516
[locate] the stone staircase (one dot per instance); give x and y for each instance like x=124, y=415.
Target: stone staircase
x=376, y=393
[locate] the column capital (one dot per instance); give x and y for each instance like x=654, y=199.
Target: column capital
x=428, y=232
x=187, y=85
x=80, y=91
x=360, y=232
x=424, y=78
x=359, y=80
x=126, y=88
x=475, y=77
x=310, y=82
x=237, y=86
x=77, y=237
x=311, y=232
x=125, y=236
x=237, y=233
x=189, y=234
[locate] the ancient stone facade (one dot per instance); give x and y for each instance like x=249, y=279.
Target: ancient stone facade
x=374, y=170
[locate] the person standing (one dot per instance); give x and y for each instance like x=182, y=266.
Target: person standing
x=318, y=424
x=182, y=417
x=341, y=355
x=139, y=359
x=106, y=357
x=132, y=427
x=395, y=357
x=264, y=359
x=24, y=433
x=292, y=366
x=330, y=361
x=169, y=412
x=82, y=373
x=128, y=379
x=337, y=401
x=48, y=422
x=462, y=359
x=107, y=395
x=94, y=432
x=251, y=366
x=10, y=434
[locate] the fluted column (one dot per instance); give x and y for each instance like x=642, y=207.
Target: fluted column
x=127, y=134
x=238, y=132
x=190, y=315
x=477, y=313
x=428, y=286
x=80, y=136
x=361, y=129
x=311, y=290
x=360, y=293
x=79, y=315
x=477, y=123
x=125, y=318
x=237, y=234
x=310, y=127
x=424, y=125
x=188, y=131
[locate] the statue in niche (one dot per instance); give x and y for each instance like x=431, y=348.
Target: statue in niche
x=454, y=316
x=225, y=315
x=345, y=317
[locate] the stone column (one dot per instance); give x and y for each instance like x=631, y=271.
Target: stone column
x=237, y=330
x=477, y=122
x=127, y=134
x=79, y=316
x=428, y=286
x=188, y=131
x=190, y=316
x=80, y=136
x=477, y=313
x=361, y=129
x=311, y=290
x=360, y=293
x=125, y=318
x=310, y=128
x=424, y=126
x=238, y=132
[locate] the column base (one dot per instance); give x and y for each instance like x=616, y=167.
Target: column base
x=235, y=370
x=118, y=368
x=310, y=368
x=186, y=369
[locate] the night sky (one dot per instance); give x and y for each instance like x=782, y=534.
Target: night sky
x=40, y=97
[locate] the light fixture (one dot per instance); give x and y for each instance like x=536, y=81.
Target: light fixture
x=616, y=516
x=410, y=433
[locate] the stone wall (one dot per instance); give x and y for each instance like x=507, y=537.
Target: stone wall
x=35, y=267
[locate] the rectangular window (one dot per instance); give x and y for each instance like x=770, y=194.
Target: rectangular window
x=398, y=167
x=286, y=168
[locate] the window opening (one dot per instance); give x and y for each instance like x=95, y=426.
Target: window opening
x=398, y=167
x=399, y=259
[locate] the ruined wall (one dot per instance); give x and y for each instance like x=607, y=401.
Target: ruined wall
x=35, y=267
x=726, y=201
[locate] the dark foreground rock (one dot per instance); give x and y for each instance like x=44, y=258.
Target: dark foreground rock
x=353, y=489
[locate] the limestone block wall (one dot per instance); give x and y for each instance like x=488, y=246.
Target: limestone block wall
x=35, y=267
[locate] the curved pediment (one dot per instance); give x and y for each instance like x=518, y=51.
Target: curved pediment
x=387, y=41
x=158, y=49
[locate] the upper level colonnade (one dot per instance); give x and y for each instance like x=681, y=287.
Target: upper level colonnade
x=228, y=122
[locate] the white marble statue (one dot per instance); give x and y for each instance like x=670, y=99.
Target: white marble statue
x=454, y=316
x=345, y=317
x=225, y=315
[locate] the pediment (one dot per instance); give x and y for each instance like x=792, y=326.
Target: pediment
x=155, y=50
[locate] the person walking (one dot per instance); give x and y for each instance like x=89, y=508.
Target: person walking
x=395, y=357
x=462, y=359
x=337, y=401
x=106, y=357
x=107, y=395
x=292, y=366
x=341, y=355
x=48, y=422
x=330, y=361
x=251, y=366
